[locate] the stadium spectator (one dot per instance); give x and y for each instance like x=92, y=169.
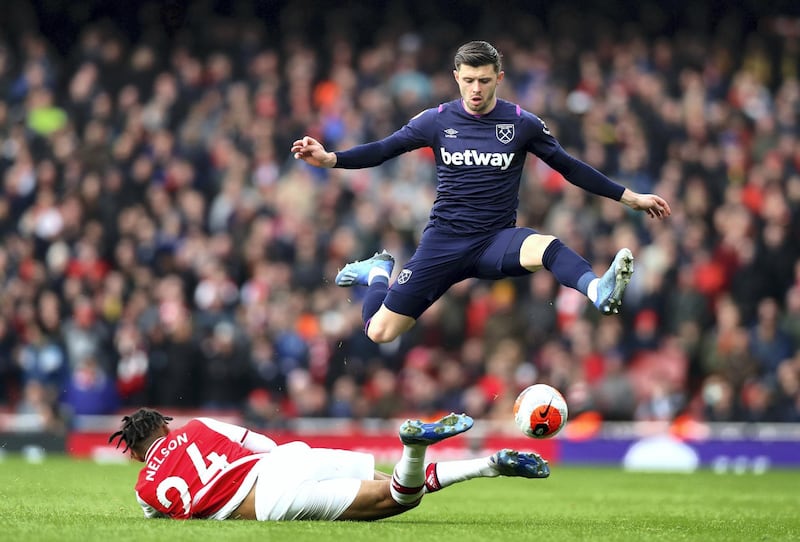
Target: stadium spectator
x=132, y=364
x=42, y=359
x=769, y=345
x=175, y=365
x=255, y=478
x=90, y=390
x=224, y=368
x=132, y=154
x=85, y=335
x=787, y=402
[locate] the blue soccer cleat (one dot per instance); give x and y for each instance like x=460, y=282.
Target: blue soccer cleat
x=613, y=283
x=418, y=432
x=358, y=272
x=524, y=464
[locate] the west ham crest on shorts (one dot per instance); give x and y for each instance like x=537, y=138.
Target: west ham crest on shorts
x=504, y=132
x=404, y=275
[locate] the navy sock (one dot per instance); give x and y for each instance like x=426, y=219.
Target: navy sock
x=567, y=266
x=376, y=292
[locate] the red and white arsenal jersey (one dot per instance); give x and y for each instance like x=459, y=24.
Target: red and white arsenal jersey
x=196, y=470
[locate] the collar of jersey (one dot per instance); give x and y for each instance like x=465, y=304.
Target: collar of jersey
x=475, y=115
x=152, y=447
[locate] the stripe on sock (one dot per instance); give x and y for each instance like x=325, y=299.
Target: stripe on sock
x=406, y=496
x=432, y=478
x=404, y=489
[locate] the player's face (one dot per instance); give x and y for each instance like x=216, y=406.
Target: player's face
x=478, y=86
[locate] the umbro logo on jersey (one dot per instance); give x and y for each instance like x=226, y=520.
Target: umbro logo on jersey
x=471, y=157
x=504, y=132
x=404, y=276
x=451, y=132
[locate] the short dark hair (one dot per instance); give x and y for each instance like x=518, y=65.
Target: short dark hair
x=478, y=53
x=138, y=428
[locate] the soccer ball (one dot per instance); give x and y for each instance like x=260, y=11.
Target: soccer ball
x=540, y=411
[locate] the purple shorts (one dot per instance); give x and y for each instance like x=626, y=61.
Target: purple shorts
x=442, y=260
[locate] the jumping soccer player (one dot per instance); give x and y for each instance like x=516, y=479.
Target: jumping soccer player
x=209, y=469
x=480, y=143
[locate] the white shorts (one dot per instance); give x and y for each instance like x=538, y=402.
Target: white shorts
x=298, y=482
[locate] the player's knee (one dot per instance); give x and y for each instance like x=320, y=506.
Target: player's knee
x=384, y=330
x=532, y=250
x=380, y=333
x=385, y=326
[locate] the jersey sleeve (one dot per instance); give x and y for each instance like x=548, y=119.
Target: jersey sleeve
x=255, y=442
x=414, y=135
x=585, y=176
x=544, y=145
x=541, y=142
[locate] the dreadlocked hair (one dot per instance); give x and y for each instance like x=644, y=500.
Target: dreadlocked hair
x=137, y=427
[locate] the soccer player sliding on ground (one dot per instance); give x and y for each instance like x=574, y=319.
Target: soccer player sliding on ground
x=209, y=469
x=480, y=143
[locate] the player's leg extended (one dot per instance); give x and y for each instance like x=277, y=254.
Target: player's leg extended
x=374, y=501
x=383, y=498
x=374, y=273
x=611, y=286
x=380, y=324
x=503, y=463
x=386, y=325
x=408, y=478
x=303, y=483
x=519, y=251
x=571, y=270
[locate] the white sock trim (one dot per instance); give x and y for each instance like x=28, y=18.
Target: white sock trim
x=376, y=272
x=591, y=290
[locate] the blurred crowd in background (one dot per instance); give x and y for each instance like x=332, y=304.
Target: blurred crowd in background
x=161, y=247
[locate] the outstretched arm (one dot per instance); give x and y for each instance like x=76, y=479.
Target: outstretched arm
x=583, y=175
x=313, y=152
x=255, y=442
x=411, y=136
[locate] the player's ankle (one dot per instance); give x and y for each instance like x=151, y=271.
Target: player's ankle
x=377, y=273
x=591, y=290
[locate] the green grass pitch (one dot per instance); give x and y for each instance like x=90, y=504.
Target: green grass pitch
x=69, y=500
